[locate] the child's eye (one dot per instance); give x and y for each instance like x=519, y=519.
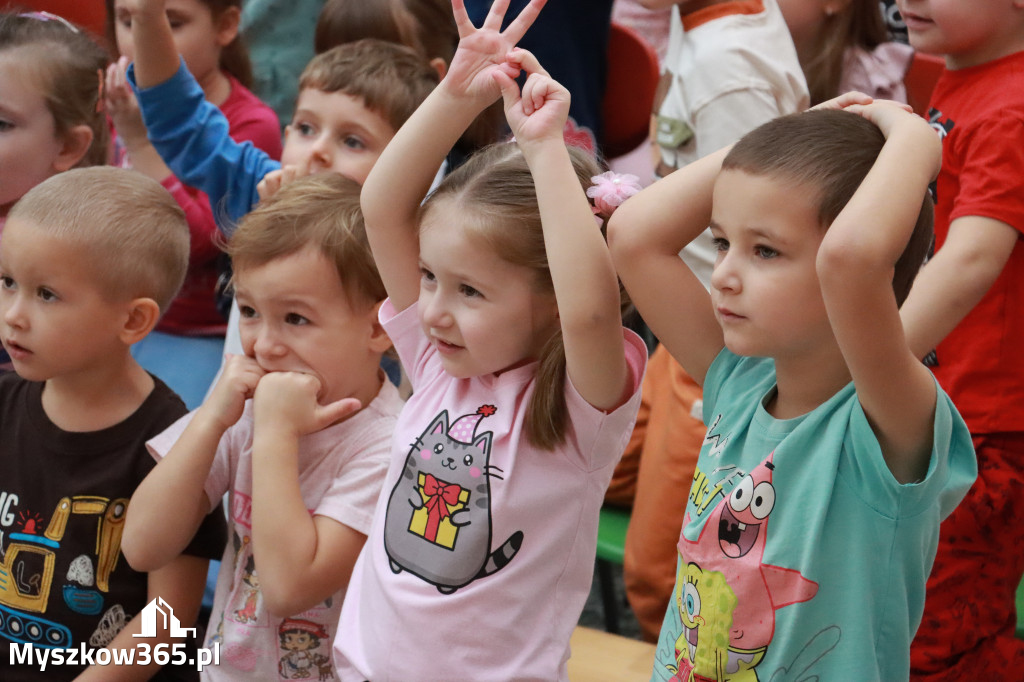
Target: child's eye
x=296, y=319
x=246, y=311
x=8, y=283
x=427, y=275
x=353, y=142
x=720, y=244
x=469, y=291
x=765, y=252
x=5, y=126
x=304, y=129
x=46, y=295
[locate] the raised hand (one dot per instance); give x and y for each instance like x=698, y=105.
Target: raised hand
x=273, y=181
x=121, y=105
x=288, y=401
x=539, y=112
x=482, y=51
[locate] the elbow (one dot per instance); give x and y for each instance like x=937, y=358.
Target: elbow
x=622, y=244
x=138, y=553
x=283, y=602
x=840, y=264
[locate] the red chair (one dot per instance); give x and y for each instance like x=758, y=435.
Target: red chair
x=920, y=80
x=633, y=74
x=90, y=14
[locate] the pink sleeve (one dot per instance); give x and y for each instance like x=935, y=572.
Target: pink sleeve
x=218, y=480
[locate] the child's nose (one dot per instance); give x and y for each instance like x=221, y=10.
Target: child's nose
x=13, y=312
x=268, y=343
x=435, y=313
x=320, y=154
x=724, y=276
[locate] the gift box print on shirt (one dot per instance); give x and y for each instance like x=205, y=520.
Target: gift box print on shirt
x=438, y=522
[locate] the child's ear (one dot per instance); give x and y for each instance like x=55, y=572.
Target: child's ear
x=440, y=67
x=379, y=340
x=227, y=24
x=76, y=144
x=143, y=314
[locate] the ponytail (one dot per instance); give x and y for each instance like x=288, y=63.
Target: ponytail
x=547, y=415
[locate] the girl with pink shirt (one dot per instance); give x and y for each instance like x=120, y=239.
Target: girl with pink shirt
x=505, y=311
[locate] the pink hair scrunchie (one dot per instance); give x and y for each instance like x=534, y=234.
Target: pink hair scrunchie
x=610, y=189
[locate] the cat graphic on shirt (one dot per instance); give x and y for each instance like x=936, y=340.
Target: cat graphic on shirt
x=438, y=523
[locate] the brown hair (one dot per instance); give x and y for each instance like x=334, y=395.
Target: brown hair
x=495, y=189
x=831, y=152
x=858, y=24
x=391, y=79
x=129, y=228
x=234, y=57
x=319, y=210
x=426, y=26
x=68, y=67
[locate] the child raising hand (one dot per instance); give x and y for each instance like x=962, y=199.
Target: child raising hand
x=504, y=309
x=831, y=454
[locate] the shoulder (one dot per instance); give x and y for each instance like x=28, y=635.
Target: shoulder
x=17, y=396
x=162, y=406
x=244, y=106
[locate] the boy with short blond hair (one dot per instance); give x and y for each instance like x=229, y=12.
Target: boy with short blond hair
x=89, y=260
x=296, y=431
x=966, y=306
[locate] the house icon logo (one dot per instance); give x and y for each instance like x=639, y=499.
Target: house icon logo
x=159, y=611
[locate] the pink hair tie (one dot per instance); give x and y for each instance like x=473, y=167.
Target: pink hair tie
x=610, y=189
x=49, y=16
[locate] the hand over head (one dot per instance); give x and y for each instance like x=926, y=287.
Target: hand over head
x=482, y=51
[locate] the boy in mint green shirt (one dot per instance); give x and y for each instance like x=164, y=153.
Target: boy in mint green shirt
x=831, y=454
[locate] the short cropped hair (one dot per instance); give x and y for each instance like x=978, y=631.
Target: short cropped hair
x=319, y=210
x=391, y=79
x=830, y=152
x=128, y=227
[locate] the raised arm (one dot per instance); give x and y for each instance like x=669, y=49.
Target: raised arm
x=156, y=56
x=646, y=235
x=855, y=266
x=302, y=559
x=586, y=289
x=401, y=177
x=171, y=501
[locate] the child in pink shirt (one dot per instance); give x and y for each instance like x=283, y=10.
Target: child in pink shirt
x=504, y=309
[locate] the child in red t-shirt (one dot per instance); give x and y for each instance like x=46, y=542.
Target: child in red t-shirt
x=966, y=304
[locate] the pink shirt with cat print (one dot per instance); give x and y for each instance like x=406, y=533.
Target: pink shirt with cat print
x=481, y=553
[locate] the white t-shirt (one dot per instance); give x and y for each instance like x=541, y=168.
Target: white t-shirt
x=341, y=473
x=481, y=553
x=731, y=69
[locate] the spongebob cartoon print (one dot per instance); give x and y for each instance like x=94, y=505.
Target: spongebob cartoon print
x=726, y=596
x=438, y=522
